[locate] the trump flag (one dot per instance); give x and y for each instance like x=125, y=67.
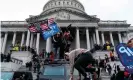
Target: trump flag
x=32, y=28
x=54, y=29
x=125, y=55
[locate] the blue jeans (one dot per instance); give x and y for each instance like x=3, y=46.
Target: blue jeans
x=57, y=52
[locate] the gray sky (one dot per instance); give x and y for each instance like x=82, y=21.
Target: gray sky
x=104, y=9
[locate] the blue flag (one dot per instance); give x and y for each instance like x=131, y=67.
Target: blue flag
x=54, y=29
x=125, y=55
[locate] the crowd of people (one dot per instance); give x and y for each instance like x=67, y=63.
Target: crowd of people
x=80, y=59
x=5, y=58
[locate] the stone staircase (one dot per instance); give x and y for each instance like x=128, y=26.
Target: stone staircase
x=105, y=76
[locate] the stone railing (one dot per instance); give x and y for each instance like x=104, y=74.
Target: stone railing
x=9, y=66
x=17, y=61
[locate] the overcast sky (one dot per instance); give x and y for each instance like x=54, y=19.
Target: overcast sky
x=104, y=9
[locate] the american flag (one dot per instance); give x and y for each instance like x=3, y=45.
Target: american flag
x=51, y=21
x=32, y=28
x=37, y=25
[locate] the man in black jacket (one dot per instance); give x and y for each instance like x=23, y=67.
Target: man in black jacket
x=56, y=44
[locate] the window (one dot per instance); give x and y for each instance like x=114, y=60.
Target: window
x=59, y=3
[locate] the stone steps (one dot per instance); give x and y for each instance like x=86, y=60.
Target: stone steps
x=105, y=76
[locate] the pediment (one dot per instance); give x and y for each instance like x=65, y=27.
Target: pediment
x=65, y=15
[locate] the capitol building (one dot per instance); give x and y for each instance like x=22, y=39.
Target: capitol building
x=88, y=29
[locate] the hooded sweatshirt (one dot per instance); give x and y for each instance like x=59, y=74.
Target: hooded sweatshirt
x=72, y=55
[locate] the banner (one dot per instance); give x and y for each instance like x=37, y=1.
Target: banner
x=125, y=55
x=54, y=29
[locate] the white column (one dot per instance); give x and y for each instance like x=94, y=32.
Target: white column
x=97, y=36
x=88, y=39
x=77, y=38
x=37, y=42
x=94, y=38
x=103, y=40
x=4, y=43
x=48, y=45
x=111, y=38
x=2, y=40
x=128, y=36
x=28, y=38
x=31, y=40
x=22, y=40
x=119, y=36
x=14, y=38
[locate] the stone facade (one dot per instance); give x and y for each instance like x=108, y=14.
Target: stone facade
x=89, y=29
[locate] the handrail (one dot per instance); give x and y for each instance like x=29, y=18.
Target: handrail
x=16, y=61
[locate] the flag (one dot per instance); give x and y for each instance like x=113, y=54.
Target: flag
x=51, y=21
x=44, y=25
x=68, y=28
x=37, y=24
x=125, y=55
x=54, y=29
x=32, y=28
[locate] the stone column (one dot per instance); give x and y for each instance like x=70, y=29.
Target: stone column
x=128, y=36
x=2, y=40
x=14, y=38
x=22, y=40
x=37, y=42
x=28, y=38
x=94, y=38
x=111, y=38
x=77, y=38
x=4, y=43
x=97, y=37
x=119, y=36
x=88, y=39
x=31, y=40
x=103, y=40
x=48, y=45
